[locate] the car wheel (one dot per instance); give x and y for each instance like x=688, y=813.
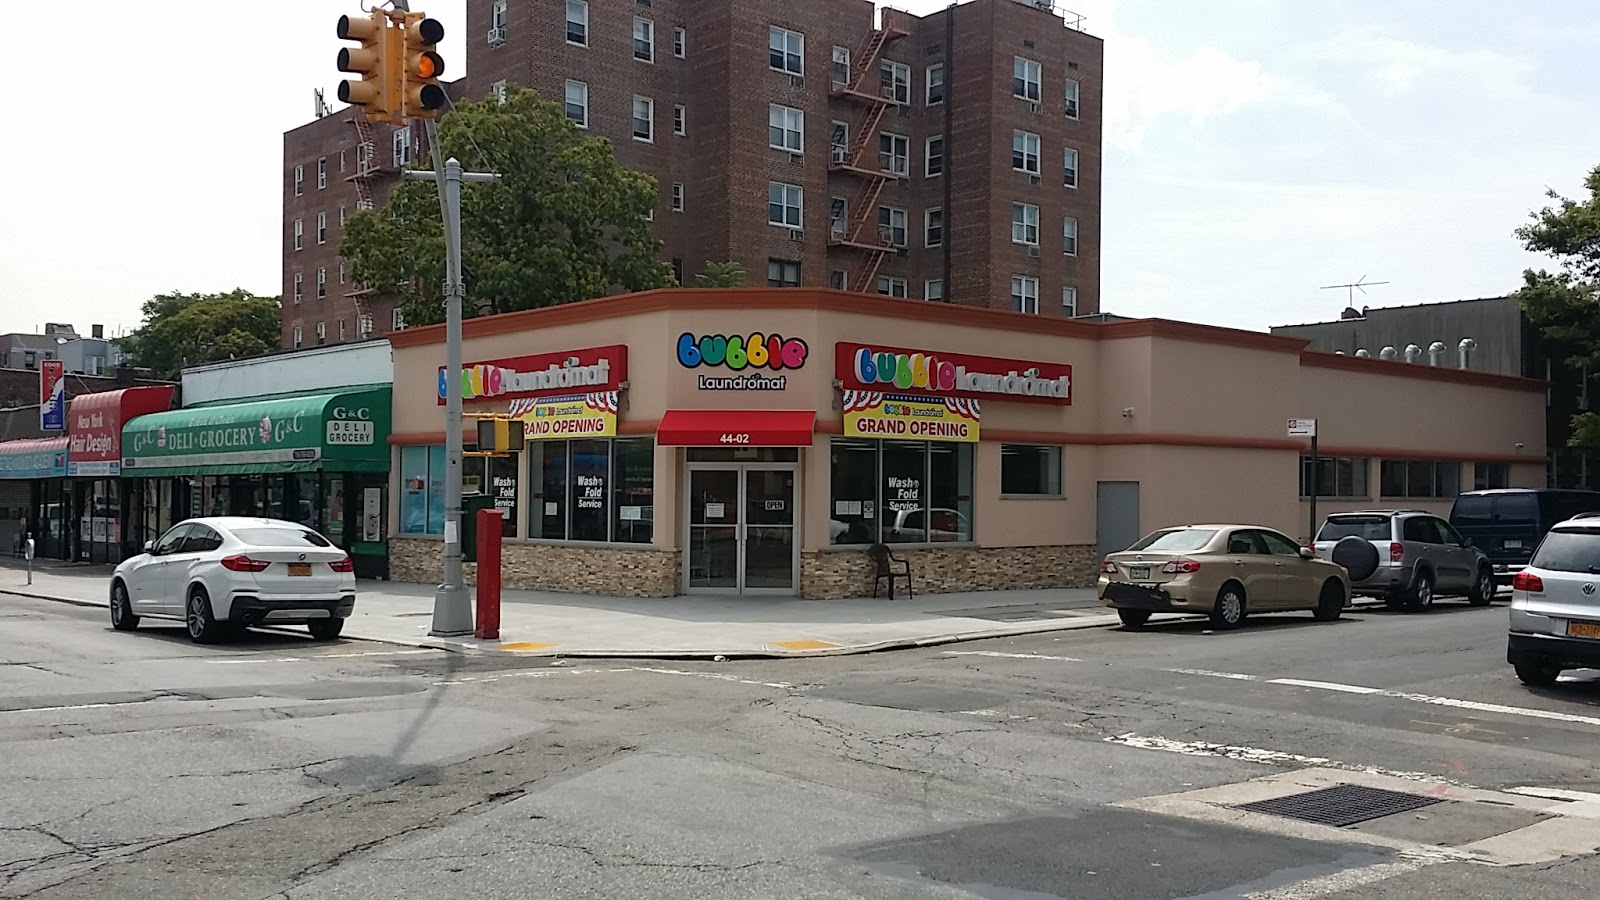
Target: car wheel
x=1133, y=619
x=1482, y=593
x=122, y=617
x=325, y=629
x=198, y=618
x=1228, y=611
x=1330, y=605
x=1538, y=674
x=1421, y=599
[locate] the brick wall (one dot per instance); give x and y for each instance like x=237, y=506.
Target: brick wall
x=606, y=571
x=837, y=574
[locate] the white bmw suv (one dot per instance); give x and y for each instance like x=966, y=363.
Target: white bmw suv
x=1555, y=604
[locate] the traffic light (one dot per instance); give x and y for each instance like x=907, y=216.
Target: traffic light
x=421, y=68
x=377, y=91
x=500, y=435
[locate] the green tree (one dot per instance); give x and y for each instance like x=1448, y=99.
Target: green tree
x=721, y=275
x=193, y=329
x=1565, y=304
x=565, y=223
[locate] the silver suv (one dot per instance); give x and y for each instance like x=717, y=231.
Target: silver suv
x=1555, y=604
x=1420, y=556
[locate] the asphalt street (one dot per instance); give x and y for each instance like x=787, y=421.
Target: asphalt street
x=1089, y=764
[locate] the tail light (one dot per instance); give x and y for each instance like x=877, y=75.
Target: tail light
x=1181, y=566
x=240, y=563
x=1397, y=551
x=1108, y=567
x=1522, y=581
x=343, y=565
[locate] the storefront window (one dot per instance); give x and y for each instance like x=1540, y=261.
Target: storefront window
x=900, y=492
x=593, y=490
x=1419, y=479
x=1030, y=469
x=333, y=509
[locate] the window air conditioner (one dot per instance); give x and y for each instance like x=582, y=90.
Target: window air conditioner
x=796, y=234
x=1033, y=251
x=497, y=36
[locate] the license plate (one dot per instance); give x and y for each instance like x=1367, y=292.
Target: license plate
x=1139, y=573
x=1584, y=629
x=299, y=568
x=1512, y=545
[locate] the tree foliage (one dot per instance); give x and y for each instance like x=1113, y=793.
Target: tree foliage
x=1565, y=304
x=565, y=222
x=193, y=329
x=721, y=275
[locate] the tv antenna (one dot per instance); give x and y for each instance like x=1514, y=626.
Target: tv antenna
x=1360, y=284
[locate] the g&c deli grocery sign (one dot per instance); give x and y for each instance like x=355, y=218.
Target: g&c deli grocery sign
x=570, y=372
x=876, y=367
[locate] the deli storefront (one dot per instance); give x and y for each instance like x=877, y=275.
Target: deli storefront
x=728, y=446
x=318, y=459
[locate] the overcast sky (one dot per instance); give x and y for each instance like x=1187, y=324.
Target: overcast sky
x=1255, y=149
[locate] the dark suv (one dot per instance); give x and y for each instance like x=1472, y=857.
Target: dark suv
x=1419, y=557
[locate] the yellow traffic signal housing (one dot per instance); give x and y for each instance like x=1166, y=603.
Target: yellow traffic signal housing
x=421, y=67
x=500, y=435
x=375, y=61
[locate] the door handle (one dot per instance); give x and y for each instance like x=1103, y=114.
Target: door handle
x=1238, y=562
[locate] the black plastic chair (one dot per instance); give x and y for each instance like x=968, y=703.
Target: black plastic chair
x=886, y=565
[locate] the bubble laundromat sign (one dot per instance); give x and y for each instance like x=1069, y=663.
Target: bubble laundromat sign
x=756, y=351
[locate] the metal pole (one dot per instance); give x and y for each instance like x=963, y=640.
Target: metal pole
x=452, y=608
x=1312, y=540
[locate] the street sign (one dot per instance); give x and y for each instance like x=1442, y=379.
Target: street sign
x=1302, y=428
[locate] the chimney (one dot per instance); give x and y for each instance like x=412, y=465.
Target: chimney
x=98, y=332
x=1464, y=353
x=1435, y=352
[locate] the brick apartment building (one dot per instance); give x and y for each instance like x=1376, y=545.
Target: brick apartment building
x=953, y=157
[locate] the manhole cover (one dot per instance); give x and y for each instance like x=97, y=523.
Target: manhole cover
x=1340, y=805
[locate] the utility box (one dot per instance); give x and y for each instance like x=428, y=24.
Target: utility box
x=470, y=504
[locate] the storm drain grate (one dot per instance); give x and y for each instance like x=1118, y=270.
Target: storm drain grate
x=1340, y=805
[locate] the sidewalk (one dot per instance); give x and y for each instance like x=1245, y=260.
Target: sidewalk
x=545, y=623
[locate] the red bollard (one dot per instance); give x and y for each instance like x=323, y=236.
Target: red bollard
x=490, y=524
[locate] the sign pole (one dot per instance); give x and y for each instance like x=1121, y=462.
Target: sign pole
x=1312, y=530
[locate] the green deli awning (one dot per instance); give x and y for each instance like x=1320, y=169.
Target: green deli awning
x=340, y=432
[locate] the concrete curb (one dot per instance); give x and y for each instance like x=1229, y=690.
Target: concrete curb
x=72, y=600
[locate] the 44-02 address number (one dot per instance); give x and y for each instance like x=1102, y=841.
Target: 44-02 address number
x=732, y=438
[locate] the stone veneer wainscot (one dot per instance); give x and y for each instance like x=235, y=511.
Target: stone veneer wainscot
x=603, y=570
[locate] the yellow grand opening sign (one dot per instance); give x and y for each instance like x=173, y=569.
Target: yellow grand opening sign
x=870, y=414
x=575, y=416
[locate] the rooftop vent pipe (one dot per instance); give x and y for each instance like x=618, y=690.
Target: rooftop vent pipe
x=1464, y=353
x=1362, y=353
x=1435, y=352
x=1387, y=353
x=1413, y=353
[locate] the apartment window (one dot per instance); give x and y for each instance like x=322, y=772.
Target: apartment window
x=1069, y=236
x=1069, y=168
x=933, y=85
x=341, y=329
x=644, y=119
x=322, y=227
x=299, y=287
x=341, y=160
x=1488, y=476
x=786, y=51
x=934, y=156
x=299, y=233
x=577, y=103
x=1070, y=106
x=322, y=173
x=297, y=337
x=644, y=40
x=839, y=280
x=680, y=118
x=896, y=77
x=839, y=141
x=1334, y=476
x=1069, y=301
x=1025, y=224
x=1030, y=470
x=841, y=67
x=341, y=271
x=680, y=42
x=397, y=319
x=322, y=332
x=677, y=196
x=578, y=23
x=933, y=228
x=1025, y=294
x=498, y=91
x=836, y=217
x=933, y=289
x=785, y=127
x=784, y=204
x=343, y=216
x=783, y=273
x=402, y=147
x=892, y=225
x=891, y=286
x=1025, y=78
x=322, y=282
x=299, y=180
x=1419, y=479
x=894, y=153
x=499, y=14
x=1025, y=152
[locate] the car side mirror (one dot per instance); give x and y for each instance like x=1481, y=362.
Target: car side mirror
x=1307, y=553
x=150, y=546
x=1466, y=542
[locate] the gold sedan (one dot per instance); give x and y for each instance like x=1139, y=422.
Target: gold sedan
x=1224, y=571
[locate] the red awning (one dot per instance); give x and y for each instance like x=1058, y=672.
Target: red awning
x=736, y=428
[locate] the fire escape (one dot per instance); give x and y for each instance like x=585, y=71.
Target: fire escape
x=369, y=168
x=859, y=81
